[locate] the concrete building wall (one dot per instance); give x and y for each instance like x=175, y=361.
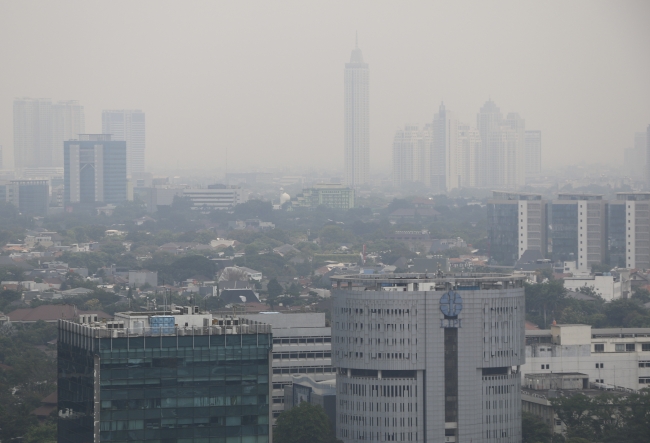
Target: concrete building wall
x=390, y=349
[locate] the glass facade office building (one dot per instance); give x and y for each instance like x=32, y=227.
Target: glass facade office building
x=164, y=384
x=94, y=170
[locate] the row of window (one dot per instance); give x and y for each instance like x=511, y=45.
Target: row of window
x=305, y=370
x=378, y=390
x=377, y=355
x=300, y=355
x=158, y=423
x=379, y=436
x=301, y=340
x=376, y=341
x=387, y=326
x=362, y=406
x=380, y=312
x=622, y=347
x=644, y=380
x=362, y=420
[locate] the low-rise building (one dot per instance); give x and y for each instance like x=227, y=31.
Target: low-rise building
x=618, y=357
x=331, y=195
x=302, y=344
x=607, y=285
x=215, y=197
x=141, y=278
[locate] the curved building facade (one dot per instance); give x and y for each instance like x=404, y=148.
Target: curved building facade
x=428, y=359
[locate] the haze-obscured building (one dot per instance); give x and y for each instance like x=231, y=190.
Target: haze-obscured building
x=516, y=222
x=128, y=125
x=215, y=197
x=95, y=170
x=330, y=195
x=637, y=222
x=40, y=128
x=578, y=229
x=356, y=120
x=533, y=153
x=31, y=197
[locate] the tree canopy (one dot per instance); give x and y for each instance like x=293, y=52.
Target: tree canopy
x=305, y=423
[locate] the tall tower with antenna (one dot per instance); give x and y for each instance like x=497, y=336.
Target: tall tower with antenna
x=356, y=120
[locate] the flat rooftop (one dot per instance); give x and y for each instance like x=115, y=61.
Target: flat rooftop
x=490, y=281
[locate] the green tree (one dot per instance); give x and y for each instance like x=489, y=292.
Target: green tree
x=643, y=295
x=274, y=290
x=45, y=433
x=534, y=430
x=305, y=423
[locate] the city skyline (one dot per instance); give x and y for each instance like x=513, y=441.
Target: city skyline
x=231, y=98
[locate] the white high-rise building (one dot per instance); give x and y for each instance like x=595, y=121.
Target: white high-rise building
x=68, y=121
x=411, y=155
x=127, y=125
x=533, y=153
x=40, y=128
x=32, y=133
x=356, y=120
x=503, y=148
x=468, y=155
x=444, y=153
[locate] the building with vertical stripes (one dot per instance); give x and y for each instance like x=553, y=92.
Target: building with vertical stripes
x=428, y=358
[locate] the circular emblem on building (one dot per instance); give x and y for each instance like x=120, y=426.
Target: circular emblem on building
x=451, y=303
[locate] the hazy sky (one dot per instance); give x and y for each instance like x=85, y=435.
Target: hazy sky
x=265, y=79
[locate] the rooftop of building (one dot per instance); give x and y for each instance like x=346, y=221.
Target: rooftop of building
x=486, y=281
x=579, y=196
x=95, y=137
x=177, y=321
x=506, y=195
x=595, y=333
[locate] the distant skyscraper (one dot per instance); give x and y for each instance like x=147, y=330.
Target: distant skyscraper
x=127, y=125
x=503, y=148
x=356, y=120
x=32, y=133
x=68, y=121
x=647, y=141
x=468, y=155
x=444, y=171
x=533, y=153
x=40, y=128
x=94, y=170
x=411, y=155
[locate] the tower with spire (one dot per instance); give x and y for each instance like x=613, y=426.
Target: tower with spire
x=356, y=120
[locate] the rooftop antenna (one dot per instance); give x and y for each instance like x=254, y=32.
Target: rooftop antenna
x=356, y=40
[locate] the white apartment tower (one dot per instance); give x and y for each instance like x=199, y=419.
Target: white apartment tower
x=444, y=170
x=356, y=120
x=32, y=133
x=40, y=128
x=68, y=121
x=468, y=156
x=411, y=155
x=533, y=153
x=637, y=228
x=127, y=125
x=503, y=148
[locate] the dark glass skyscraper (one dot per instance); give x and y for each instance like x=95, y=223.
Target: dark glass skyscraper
x=164, y=377
x=94, y=170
